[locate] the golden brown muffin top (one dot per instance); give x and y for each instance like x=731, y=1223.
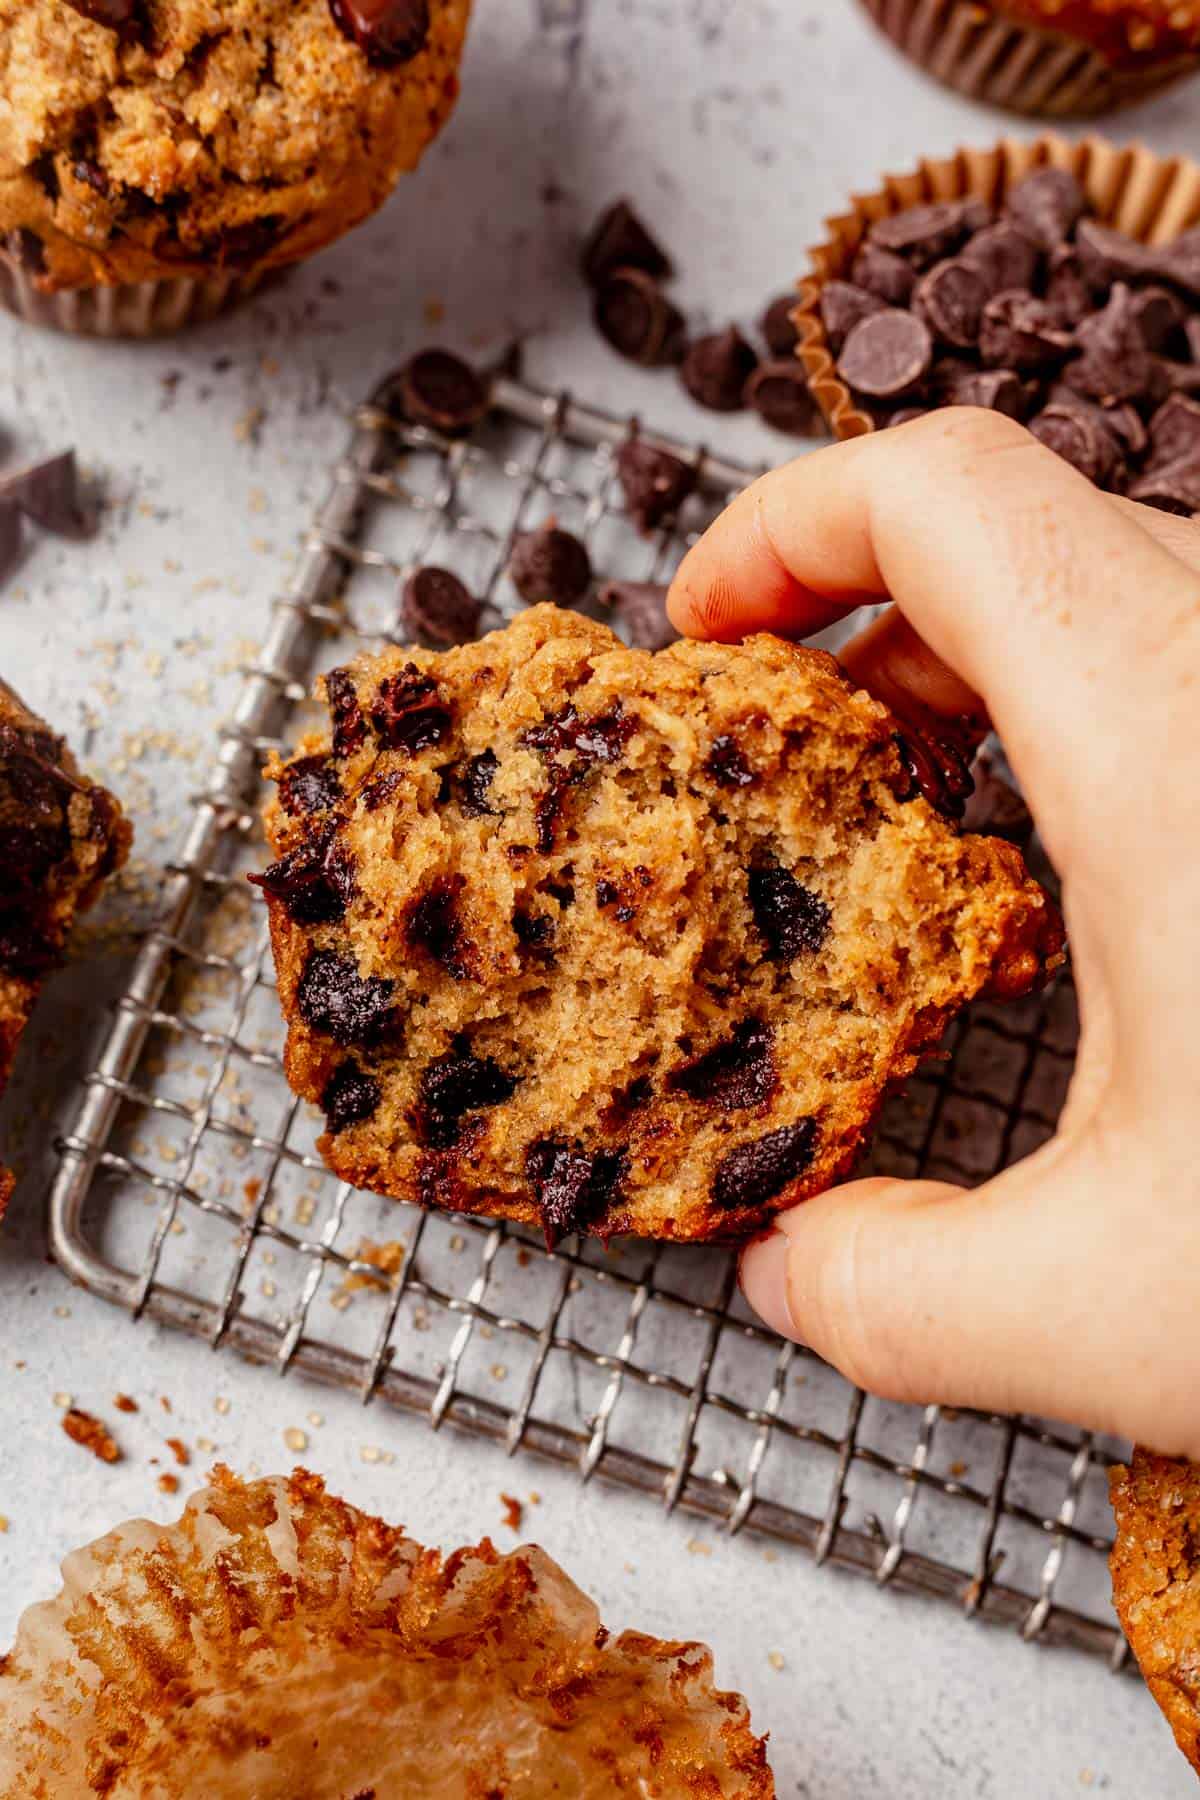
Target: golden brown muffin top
x=1125, y=32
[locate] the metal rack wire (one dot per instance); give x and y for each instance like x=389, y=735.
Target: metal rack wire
x=189, y=1189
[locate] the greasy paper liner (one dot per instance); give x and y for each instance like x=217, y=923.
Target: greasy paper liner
x=131, y=309
x=1153, y=198
x=1020, y=67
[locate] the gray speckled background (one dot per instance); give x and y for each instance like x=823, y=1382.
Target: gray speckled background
x=736, y=129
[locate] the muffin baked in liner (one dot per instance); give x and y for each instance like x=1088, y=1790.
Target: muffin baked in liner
x=154, y=171
x=1052, y=58
x=1152, y=198
x=277, y=1642
x=1156, y=1583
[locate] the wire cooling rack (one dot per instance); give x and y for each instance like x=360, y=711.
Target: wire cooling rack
x=190, y=1191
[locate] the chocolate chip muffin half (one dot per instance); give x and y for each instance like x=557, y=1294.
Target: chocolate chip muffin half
x=61, y=835
x=616, y=942
x=1156, y=1583
x=177, y=149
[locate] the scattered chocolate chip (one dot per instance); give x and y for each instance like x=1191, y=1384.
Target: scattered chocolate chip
x=778, y=392
x=635, y=318
x=1003, y=258
x=475, y=785
x=573, y=1187
x=756, y=1172
x=48, y=493
x=349, y=726
x=619, y=240
x=309, y=785
x=1172, y=487
x=1079, y=440
x=1113, y=363
x=793, y=920
x=655, y=483
x=437, y=606
x=887, y=354
x=716, y=368
x=842, y=305
x=550, y=564
x=114, y=14
x=1019, y=331
x=314, y=883
x=997, y=810
x=882, y=273
x=639, y=613
x=1047, y=206
x=388, y=32
x=778, y=327
x=407, y=713
x=951, y=298
x=998, y=390
x=435, y=925
x=1175, y=430
x=453, y=1086
x=936, y=769
x=727, y=765
x=335, y=999
x=924, y=234
x=10, y=538
x=350, y=1096
x=732, y=1075
x=441, y=391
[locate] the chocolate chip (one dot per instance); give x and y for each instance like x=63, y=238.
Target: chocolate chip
x=1003, y=257
x=349, y=726
x=48, y=493
x=842, y=305
x=1078, y=440
x=1175, y=430
x=1114, y=363
x=437, y=606
x=635, y=318
x=716, y=368
x=1192, y=333
x=441, y=391
x=998, y=390
x=535, y=933
x=1067, y=293
x=26, y=249
x=655, y=483
x=951, y=299
x=241, y=246
x=792, y=919
x=314, y=883
x=600, y=739
x=778, y=392
x=388, y=32
x=1160, y=317
x=435, y=925
x=1172, y=487
x=10, y=538
x=904, y=415
x=1047, y=206
x=936, y=769
x=90, y=174
x=550, y=565
x=114, y=14
x=406, y=713
x=732, y=1075
x=309, y=785
x=887, y=354
x=1019, y=331
x=476, y=784
x=619, y=240
x=1179, y=262
x=924, y=234
x=639, y=613
x=1123, y=423
x=756, y=1172
x=778, y=327
x=349, y=1096
x=1106, y=256
x=727, y=764
x=997, y=810
x=453, y=1086
x=348, y=1007
x=882, y=273
x=573, y=1187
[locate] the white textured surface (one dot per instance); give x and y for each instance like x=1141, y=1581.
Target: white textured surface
x=736, y=129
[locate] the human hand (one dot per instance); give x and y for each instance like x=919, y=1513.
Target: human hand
x=1070, y=1284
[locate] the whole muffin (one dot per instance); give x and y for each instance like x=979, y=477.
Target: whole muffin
x=176, y=150
x=1061, y=58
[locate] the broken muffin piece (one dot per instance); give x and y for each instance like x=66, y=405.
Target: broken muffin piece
x=61, y=835
x=1156, y=1583
x=606, y=941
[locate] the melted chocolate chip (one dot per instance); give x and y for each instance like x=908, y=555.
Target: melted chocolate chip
x=535, y=933
x=754, y=1173
x=727, y=764
x=937, y=769
x=790, y=917
x=348, y=1007
x=573, y=1187
x=379, y=789
x=401, y=713
x=475, y=785
x=35, y=794
x=314, y=883
x=91, y=175
x=26, y=249
x=114, y=14
x=435, y=926
x=655, y=483
x=309, y=785
x=739, y=1073
x=550, y=565
x=349, y=1096
x=453, y=1086
x=619, y=240
x=716, y=369
x=388, y=32
x=349, y=726
x=439, y=390
x=778, y=327
x=437, y=606
x=635, y=318
x=588, y=742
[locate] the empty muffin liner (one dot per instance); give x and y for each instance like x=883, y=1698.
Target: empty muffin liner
x=1021, y=67
x=131, y=309
x=1153, y=198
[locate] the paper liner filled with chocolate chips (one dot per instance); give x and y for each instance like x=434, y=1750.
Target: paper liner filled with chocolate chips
x=1055, y=282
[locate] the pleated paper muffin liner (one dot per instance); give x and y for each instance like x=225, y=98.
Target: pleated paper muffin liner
x=130, y=309
x=1023, y=68
x=1152, y=198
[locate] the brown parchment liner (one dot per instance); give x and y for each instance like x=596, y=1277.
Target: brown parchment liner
x=1153, y=198
x=126, y=309
x=1023, y=68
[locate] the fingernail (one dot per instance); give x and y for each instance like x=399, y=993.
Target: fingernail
x=763, y=1279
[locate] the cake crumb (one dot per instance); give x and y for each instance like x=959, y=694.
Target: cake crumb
x=295, y=1439
x=698, y=1547
x=179, y=1451
x=205, y=1446
x=86, y=1429
x=386, y=1258
x=514, y=1512
x=316, y=1418
x=523, y=1257
x=3, y=1522
x=168, y=1483
x=959, y=1469
x=125, y=1403
x=371, y=1453
x=776, y=1660
x=221, y=1404
x=62, y=1401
